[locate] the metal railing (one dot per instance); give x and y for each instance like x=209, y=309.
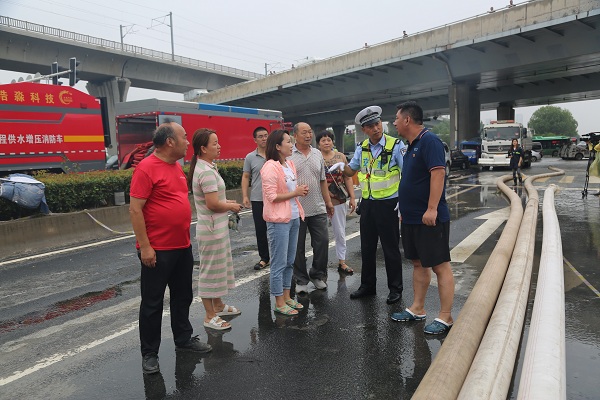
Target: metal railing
x=117, y=46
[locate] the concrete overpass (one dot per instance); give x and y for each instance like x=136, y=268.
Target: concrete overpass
x=109, y=67
x=533, y=53
x=29, y=47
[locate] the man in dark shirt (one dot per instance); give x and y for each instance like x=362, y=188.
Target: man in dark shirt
x=425, y=217
x=252, y=180
x=516, y=159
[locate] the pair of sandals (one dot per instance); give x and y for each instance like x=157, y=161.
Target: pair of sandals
x=219, y=323
x=291, y=308
x=344, y=268
x=437, y=327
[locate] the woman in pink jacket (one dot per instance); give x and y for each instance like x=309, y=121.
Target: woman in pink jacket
x=282, y=212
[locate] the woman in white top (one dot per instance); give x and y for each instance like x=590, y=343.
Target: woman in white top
x=282, y=212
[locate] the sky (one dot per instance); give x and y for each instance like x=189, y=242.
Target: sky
x=250, y=34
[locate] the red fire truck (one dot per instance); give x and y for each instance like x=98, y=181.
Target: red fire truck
x=51, y=127
x=136, y=121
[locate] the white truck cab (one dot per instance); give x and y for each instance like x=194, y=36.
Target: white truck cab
x=496, y=139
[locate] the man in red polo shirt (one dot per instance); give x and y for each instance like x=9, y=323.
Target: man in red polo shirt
x=161, y=216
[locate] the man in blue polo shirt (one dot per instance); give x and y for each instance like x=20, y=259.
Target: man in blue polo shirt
x=425, y=217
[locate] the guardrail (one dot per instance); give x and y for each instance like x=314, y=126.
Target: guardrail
x=117, y=46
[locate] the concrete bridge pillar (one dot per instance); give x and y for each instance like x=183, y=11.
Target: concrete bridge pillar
x=505, y=111
x=114, y=91
x=317, y=128
x=464, y=112
x=339, y=131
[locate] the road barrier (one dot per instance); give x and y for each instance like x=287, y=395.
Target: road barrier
x=544, y=370
x=37, y=234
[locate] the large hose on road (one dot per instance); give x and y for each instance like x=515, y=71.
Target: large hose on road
x=447, y=372
x=491, y=372
x=544, y=370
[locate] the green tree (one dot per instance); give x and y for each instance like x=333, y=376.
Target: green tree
x=349, y=143
x=551, y=120
x=442, y=129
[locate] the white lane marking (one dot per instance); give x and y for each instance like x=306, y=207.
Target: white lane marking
x=566, y=179
x=461, y=192
x=70, y=249
x=46, y=362
x=464, y=249
x=84, y=319
x=585, y=281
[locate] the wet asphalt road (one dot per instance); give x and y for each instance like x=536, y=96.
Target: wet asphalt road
x=68, y=323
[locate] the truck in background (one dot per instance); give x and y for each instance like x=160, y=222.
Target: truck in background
x=51, y=127
x=137, y=120
x=496, y=139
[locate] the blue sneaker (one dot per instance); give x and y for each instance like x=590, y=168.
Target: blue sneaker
x=437, y=327
x=407, y=315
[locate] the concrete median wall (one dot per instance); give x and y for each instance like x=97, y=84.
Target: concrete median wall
x=28, y=236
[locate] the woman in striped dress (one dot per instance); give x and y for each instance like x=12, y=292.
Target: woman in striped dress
x=212, y=230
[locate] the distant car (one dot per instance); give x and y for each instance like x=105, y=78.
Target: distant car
x=536, y=155
x=112, y=162
x=459, y=159
x=448, y=159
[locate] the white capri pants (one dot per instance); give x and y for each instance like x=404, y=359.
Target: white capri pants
x=338, y=223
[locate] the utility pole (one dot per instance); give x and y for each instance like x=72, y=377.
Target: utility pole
x=128, y=30
x=170, y=25
x=172, y=42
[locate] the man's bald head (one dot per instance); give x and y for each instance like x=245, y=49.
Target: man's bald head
x=163, y=132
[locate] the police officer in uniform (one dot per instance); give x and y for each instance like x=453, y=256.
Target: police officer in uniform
x=378, y=161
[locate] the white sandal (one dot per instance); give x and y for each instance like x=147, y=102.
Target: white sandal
x=229, y=310
x=217, y=324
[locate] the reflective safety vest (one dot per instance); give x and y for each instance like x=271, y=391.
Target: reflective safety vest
x=377, y=179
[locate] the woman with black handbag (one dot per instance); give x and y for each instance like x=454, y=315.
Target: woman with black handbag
x=341, y=189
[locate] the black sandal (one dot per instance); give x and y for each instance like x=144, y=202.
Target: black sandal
x=259, y=265
x=346, y=270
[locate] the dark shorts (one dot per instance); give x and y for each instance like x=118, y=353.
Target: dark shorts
x=429, y=244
